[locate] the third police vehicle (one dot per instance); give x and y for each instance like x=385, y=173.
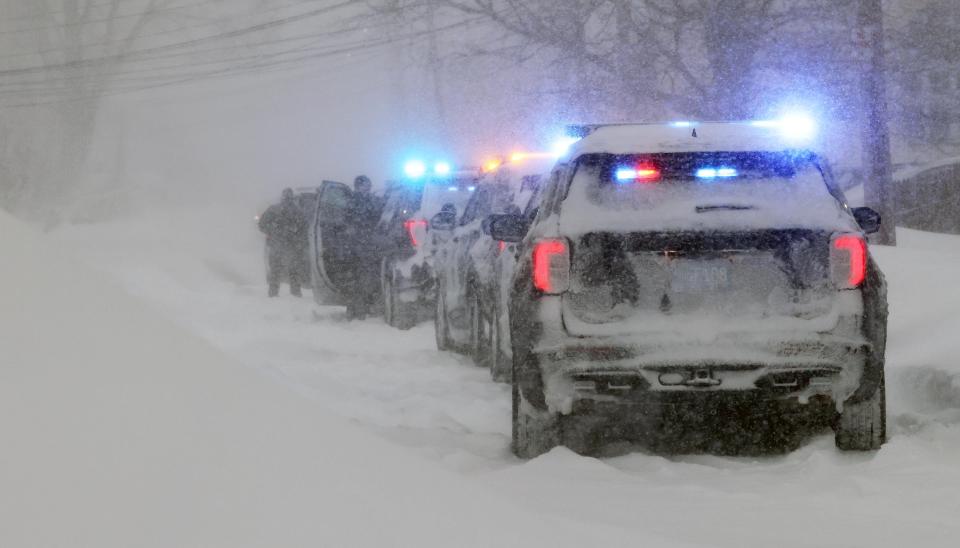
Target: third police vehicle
x=407, y=277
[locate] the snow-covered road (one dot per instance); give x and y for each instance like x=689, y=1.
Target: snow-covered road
x=446, y=410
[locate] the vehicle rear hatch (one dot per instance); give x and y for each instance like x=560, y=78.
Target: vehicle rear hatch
x=650, y=281
x=696, y=244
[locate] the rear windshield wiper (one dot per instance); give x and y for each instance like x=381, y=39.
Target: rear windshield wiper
x=724, y=207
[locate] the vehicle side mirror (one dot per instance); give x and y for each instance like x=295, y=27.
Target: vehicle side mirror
x=868, y=219
x=485, y=225
x=529, y=182
x=445, y=220
x=507, y=228
x=511, y=210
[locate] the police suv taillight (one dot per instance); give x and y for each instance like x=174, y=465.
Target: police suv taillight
x=848, y=260
x=551, y=266
x=416, y=230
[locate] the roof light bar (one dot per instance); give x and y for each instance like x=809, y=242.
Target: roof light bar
x=442, y=168
x=715, y=172
x=794, y=127
x=562, y=145
x=645, y=173
x=491, y=165
x=415, y=169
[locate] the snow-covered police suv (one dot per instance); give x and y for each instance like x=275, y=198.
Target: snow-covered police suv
x=689, y=263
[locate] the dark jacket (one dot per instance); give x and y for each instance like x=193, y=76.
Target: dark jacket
x=285, y=225
x=363, y=213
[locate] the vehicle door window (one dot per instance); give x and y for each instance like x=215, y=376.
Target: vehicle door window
x=550, y=192
x=476, y=206
x=333, y=204
x=308, y=204
x=391, y=205
x=533, y=205
x=400, y=202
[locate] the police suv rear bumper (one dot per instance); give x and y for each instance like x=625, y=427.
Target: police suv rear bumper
x=773, y=369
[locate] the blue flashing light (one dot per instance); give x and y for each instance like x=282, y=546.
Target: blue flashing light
x=706, y=173
x=562, y=145
x=714, y=172
x=415, y=169
x=471, y=188
x=626, y=174
x=798, y=127
x=453, y=188
x=793, y=127
x=681, y=123
x=442, y=168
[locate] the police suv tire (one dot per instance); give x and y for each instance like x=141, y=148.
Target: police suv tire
x=479, y=342
x=499, y=365
x=535, y=431
x=862, y=426
x=405, y=315
x=440, y=328
x=387, y=292
x=395, y=313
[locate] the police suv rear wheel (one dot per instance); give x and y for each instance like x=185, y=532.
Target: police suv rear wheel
x=862, y=426
x=396, y=313
x=479, y=332
x=440, y=328
x=499, y=365
x=535, y=431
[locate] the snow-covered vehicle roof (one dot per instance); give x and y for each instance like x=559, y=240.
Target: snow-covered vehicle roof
x=513, y=174
x=761, y=135
x=772, y=182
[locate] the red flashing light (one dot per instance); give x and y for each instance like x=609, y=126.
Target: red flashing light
x=647, y=173
x=412, y=226
x=551, y=266
x=501, y=245
x=849, y=260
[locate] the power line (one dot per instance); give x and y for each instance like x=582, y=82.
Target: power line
x=220, y=36
x=106, y=19
x=162, y=72
x=296, y=3
x=147, y=60
x=181, y=29
x=255, y=67
x=62, y=12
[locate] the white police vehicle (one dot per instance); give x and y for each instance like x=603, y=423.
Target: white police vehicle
x=689, y=266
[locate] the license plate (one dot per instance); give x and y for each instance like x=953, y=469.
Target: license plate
x=699, y=276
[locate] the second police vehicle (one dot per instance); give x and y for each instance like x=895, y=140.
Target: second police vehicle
x=466, y=266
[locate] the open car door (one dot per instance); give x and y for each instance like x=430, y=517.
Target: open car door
x=329, y=244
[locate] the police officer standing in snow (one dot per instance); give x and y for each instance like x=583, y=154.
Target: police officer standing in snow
x=363, y=213
x=286, y=228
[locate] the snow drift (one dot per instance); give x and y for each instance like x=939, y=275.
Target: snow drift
x=202, y=268
x=120, y=429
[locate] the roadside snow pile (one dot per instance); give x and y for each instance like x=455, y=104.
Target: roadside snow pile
x=120, y=429
x=922, y=351
x=203, y=269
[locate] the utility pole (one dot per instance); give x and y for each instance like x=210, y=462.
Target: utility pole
x=878, y=170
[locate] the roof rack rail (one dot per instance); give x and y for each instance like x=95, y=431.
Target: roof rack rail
x=580, y=131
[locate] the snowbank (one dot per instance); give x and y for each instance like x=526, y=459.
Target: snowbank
x=201, y=269
x=120, y=429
